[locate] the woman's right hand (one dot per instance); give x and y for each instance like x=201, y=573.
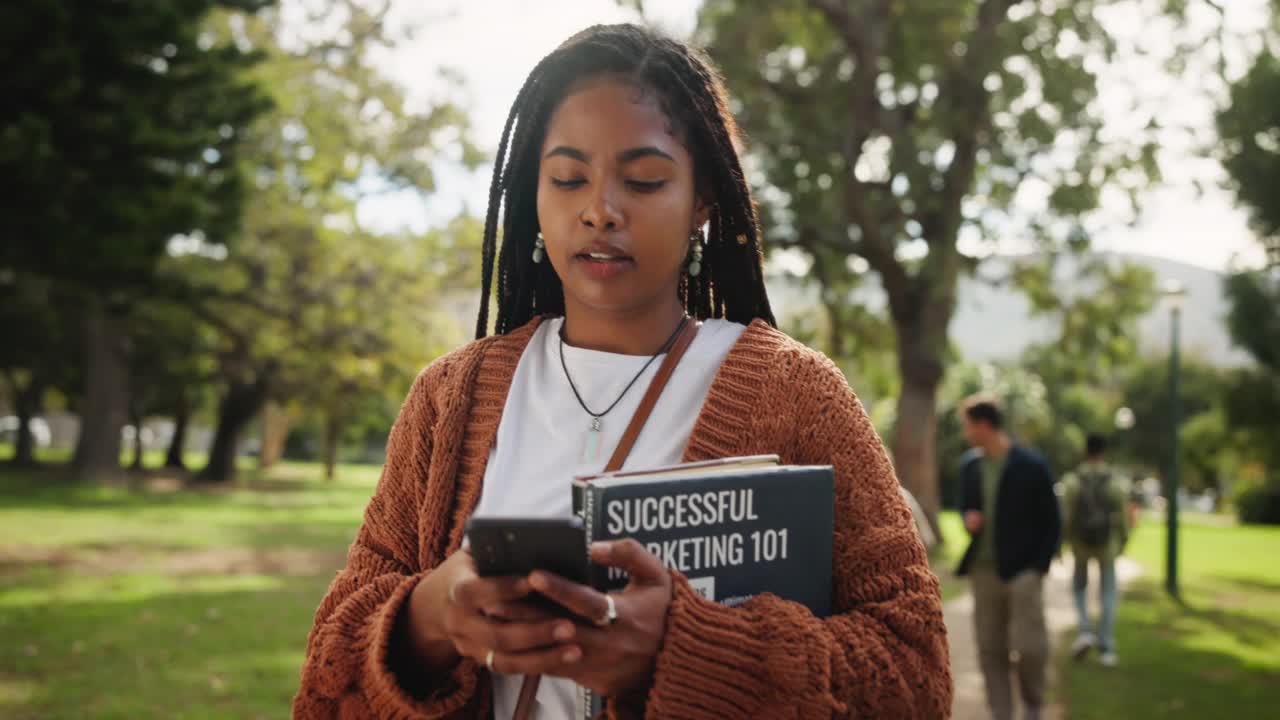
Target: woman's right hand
x=454, y=612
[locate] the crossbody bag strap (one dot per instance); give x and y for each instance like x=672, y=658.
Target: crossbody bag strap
x=529, y=689
x=678, y=348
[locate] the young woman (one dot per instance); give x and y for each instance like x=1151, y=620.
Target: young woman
x=618, y=152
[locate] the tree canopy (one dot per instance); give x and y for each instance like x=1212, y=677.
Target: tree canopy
x=914, y=137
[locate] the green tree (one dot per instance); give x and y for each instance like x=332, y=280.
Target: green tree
x=1252, y=319
x=1249, y=129
x=1146, y=392
x=1249, y=140
x=1096, y=305
x=171, y=365
x=890, y=131
x=122, y=128
x=309, y=304
x=37, y=353
x=1253, y=404
x=1208, y=452
x=377, y=329
x=1253, y=397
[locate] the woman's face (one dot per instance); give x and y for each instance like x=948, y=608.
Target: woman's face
x=617, y=198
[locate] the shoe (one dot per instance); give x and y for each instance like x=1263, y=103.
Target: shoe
x=1083, y=644
x=1108, y=659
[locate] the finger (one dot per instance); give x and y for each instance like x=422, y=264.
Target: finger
x=547, y=661
x=479, y=631
x=511, y=638
x=458, y=569
x=525, y=611
x=629, y=555
x=483, y=593
x=596, y=642
x=581, y=600
x=466, y=558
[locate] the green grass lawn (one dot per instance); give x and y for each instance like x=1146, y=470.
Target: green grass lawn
x=150, y=458
x=165, y=602
x=1216, y=655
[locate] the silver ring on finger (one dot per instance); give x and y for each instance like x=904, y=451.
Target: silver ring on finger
x=610, y=613
x=488, y=661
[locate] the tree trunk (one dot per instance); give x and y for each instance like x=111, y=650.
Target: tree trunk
x=914, y=445
x=24, y=451
x=173, y=459
x=136, y=419
x=241, y=403
x=103, y=411
x=275, y=431
x=332, y=433
x=921, y=344
x=26, y=403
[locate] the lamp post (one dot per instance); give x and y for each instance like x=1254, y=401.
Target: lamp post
x=1174, y=295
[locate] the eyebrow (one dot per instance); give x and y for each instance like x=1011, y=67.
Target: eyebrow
x=625, y=156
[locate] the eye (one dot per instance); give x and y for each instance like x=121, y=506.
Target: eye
x=646, y=186
x=567, y=184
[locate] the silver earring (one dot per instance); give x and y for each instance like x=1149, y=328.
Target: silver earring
x=695, y=263
x=539, y=247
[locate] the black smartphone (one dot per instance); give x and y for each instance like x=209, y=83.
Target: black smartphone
x=520, y=545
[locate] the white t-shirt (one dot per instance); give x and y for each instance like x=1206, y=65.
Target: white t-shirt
x=540, y=442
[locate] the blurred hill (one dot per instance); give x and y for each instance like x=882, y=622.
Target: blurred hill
x=994, y=322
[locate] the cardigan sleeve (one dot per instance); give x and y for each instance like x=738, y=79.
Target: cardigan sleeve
x=351, y=667
x=882, y=653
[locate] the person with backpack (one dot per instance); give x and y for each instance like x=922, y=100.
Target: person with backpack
x=1097, y=527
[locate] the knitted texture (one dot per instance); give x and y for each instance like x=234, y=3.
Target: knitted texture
x=882, y=654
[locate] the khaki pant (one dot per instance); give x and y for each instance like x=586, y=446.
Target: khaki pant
x=1009, y=617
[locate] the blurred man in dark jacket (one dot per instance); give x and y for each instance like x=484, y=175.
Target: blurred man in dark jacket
x=1011, y=512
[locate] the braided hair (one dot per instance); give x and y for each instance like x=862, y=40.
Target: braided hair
x=692, y=95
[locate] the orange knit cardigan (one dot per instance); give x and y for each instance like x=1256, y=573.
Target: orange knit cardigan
x=882, y=653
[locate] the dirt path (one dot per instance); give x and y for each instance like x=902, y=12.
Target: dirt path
x=970, y=697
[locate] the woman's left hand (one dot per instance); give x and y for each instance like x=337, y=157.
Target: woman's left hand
x=617, y=656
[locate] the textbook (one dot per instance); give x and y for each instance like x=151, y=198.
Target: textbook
x=736, y=527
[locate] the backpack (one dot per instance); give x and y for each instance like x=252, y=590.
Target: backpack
x=1091, y=516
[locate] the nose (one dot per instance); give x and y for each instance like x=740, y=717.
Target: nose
x=601, y=212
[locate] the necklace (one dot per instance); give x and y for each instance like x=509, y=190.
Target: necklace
x=591, y=445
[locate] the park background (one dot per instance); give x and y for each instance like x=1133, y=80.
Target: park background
x=237, y=229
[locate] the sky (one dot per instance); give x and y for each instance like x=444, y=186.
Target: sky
x=494, y=43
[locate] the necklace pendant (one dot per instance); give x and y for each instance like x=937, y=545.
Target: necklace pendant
x=591, y=444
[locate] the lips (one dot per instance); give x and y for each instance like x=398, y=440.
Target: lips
x=603, y=261
x=599, y=251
